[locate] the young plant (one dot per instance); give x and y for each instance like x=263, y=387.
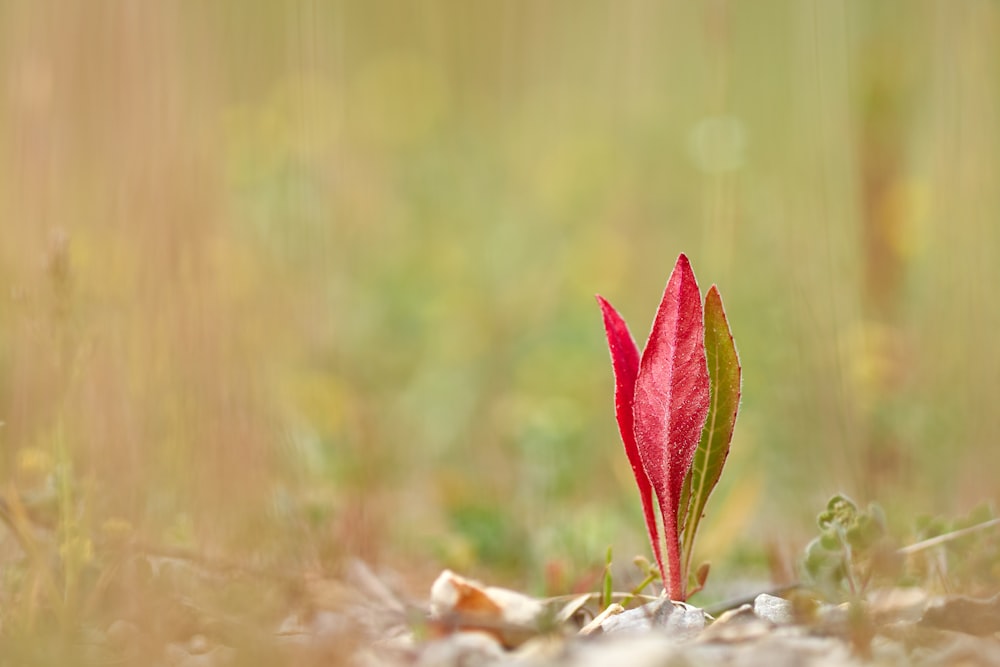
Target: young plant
x=852, y=548
x=676, y=406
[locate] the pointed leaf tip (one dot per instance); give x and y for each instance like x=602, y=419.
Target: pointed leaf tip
x=671, y=402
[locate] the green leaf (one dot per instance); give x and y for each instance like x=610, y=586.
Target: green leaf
x=724, y=372
x=841, y=512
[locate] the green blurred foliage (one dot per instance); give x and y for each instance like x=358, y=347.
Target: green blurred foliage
x=315, y=280
x=969, y=563
x=851, y=552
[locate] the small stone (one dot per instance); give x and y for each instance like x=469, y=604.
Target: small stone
x=678, y=620
x=774, y=609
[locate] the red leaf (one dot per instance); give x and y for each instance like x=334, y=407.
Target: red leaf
x=625, y=360
x=671, y=403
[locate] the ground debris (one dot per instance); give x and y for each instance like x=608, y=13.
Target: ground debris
x=963, y=614
x=465, y=623
x=892, y=624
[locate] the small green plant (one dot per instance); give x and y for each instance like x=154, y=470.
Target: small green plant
x=851, y=549
x=607, y=583
x=607, y=594
x=676, y=407
x=855, y=553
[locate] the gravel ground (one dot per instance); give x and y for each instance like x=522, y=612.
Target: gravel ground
x=460, y=627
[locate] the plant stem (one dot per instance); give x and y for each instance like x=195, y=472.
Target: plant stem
x=650, y=578
x=675, y=580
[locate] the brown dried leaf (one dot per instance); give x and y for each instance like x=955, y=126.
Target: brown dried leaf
x=458, y=603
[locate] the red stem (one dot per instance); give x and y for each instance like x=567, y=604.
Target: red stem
x=674, y=581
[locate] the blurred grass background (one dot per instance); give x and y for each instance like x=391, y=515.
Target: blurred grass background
x=299, y=282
